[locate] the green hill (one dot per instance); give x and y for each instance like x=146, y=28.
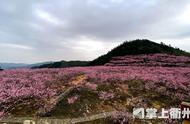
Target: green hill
x=137, y=47
x=63, y=64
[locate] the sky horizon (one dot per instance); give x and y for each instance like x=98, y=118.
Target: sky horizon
x=35, y=31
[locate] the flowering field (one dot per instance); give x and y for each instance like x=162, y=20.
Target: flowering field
x=27, y=92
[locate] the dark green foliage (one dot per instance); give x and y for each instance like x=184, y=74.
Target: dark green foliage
x=1, y=69
x=63, y=64
x=137, y=47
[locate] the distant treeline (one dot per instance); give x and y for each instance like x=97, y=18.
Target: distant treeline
x=63, y=64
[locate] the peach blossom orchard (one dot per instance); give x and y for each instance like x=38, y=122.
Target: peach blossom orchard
x=44, y=84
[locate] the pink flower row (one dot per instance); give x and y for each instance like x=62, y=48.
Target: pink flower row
x=150, y=60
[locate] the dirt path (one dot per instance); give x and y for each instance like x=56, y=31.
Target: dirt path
x=58, y=121
x=79, y=80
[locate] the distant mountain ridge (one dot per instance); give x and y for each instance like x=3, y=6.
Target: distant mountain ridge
x=12, y=65
x=20, y=65
x=59, y=64
x=137, y=47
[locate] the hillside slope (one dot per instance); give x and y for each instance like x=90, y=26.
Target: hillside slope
x=137, y=47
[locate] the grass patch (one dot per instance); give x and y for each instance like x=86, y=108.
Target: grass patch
x=87, y=101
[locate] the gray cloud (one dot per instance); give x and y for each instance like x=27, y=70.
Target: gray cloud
x=34, y=30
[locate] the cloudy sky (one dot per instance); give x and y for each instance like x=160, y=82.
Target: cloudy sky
x=45, y=30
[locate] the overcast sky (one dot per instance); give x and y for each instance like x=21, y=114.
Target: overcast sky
x=48, y=30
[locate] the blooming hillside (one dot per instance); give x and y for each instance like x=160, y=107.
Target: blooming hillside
x=150, y=60
x=91, y=90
